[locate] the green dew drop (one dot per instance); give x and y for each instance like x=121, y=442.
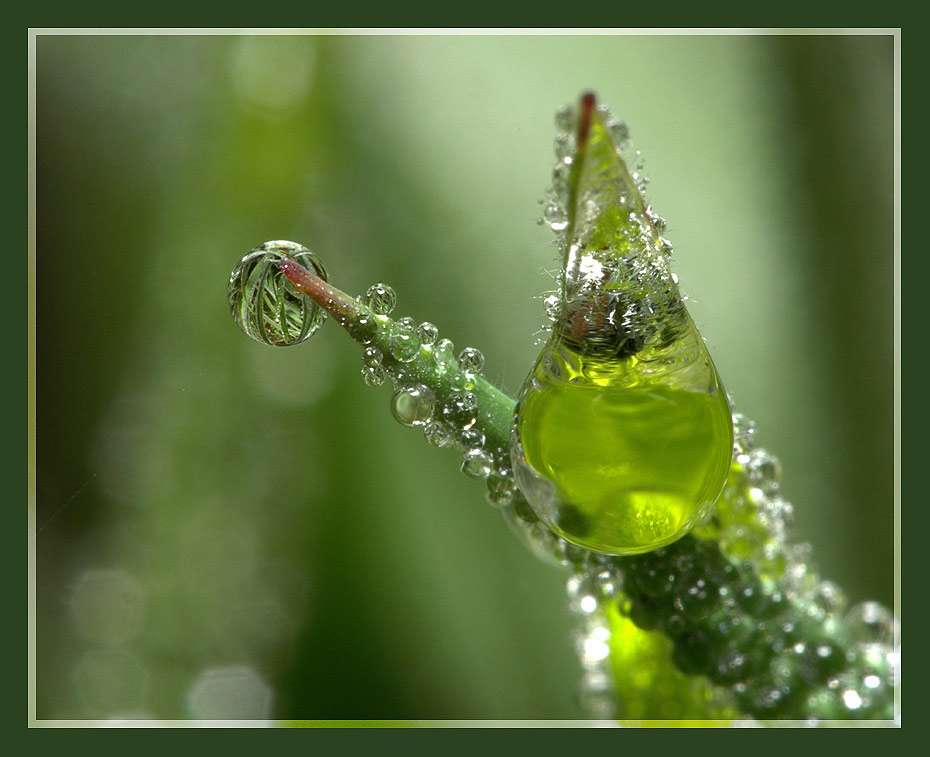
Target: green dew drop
x=623, y=435
x=264, y=303
x=617, y=460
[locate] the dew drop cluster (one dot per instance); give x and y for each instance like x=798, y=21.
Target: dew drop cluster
x=433, y=389
x=753, y=627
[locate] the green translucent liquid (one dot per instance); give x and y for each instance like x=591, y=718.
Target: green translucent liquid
x=633, y=459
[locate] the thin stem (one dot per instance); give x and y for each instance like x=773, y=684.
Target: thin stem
x=341, y=306
x=495, y=408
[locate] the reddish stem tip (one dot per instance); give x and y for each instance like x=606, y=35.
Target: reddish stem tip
x=585, y=116
x=337, y=303
x=295, y=272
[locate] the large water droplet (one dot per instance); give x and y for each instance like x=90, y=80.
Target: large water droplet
x=623, y=434
x=263, y=301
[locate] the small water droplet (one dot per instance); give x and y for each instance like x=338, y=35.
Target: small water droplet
x=374, y=375
x=471, y=438
x=263, y=301
x=413, y=405
x=560, y=179
x=476, y=463
x=371, y=356
x=444, y=352
x=565, y=119
x=437, y=434
x=407, y=323
x=552, y=303
x=381, y=299
x=619, y=132
x=461, y=411
x=564, y=146
x=404, y=344
x=596, y=695
x=427, y=333
x=871, y=623
x=830, y=598
x=657, y=221
x=501, y=490
x=762, y=471
x=555, y=216
x=744, y=431
x=459, y=381
x=471, y=360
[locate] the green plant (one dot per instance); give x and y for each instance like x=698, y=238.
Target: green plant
x=728, y=622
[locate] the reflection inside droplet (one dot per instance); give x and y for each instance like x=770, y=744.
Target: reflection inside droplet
x=263, y=301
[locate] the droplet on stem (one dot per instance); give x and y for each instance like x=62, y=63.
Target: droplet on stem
x=623, y=433
x=413, y=405
x=381, y=299
x=264, y=302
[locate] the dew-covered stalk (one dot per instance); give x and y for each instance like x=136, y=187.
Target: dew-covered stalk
x=729, y=622
x=426, y=373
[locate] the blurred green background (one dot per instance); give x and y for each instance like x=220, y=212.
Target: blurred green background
x=231, y=530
